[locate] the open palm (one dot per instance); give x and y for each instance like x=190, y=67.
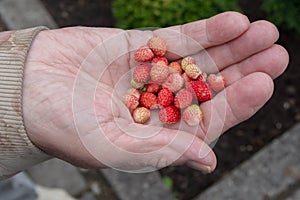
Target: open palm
x=75, y=76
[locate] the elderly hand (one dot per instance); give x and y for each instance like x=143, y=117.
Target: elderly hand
x=71, y=105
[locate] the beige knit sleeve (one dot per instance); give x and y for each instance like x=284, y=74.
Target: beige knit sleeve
x=16, y=150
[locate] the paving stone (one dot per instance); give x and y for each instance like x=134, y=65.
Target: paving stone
x=19, y=14
x=146, y=186
x=269, y=174
x=17, y=187
x=58, y=174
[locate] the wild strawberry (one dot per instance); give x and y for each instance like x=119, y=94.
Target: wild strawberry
x=160, y=61
x=192, y=71
x=136, y=85
x=158, y=46
x=216, y=82
x=149, y=100
x=169, y=115
x=153, y=87
x=165, y=97
x=130, y=101
x=133, y=92
x=183, y=98
x=185, y=77
x=175, y=67
x=142, y=73
x=186, y=61
x=192, y=115
x=143, y=54
x=202, y=77
x=159, y=73
x=200, y=90
x=141, y=115
x=174, y=82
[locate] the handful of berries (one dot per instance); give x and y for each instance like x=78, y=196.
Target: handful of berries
x=173, y=87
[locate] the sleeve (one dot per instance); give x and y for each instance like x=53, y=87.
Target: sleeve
x=17, y=152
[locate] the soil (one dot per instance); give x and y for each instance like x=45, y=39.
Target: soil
x=242, y=141
x=2, y=26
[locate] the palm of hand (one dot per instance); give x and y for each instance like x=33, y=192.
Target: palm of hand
x=51, y=81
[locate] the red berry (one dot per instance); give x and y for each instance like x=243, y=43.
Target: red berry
x=169, y=115
x=200, y=90
x=153, y=87
x=141, y=115
x=174, y=82
x=165, y=97
x=192, y=115
x=143, y=54
x=159, y=73
x=149, y=100
x=216, y=82
x=142, y=73
x=183, y=98
x=160, y=61
x=158, y=46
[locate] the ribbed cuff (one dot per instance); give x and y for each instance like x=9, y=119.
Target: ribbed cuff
x=17, y=152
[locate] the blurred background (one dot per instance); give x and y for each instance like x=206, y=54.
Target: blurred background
x=240, y=143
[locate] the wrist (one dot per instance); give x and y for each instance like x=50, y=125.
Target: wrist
x=18, y=152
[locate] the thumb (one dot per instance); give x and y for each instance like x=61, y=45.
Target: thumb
x=158, y=147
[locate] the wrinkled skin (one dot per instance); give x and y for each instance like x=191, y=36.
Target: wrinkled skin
x=243, y=52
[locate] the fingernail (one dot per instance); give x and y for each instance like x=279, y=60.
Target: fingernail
x=204, y=151
x=205, y=169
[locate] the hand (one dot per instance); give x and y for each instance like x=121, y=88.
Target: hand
x=66, y=66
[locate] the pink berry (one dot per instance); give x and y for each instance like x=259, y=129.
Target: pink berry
x=216, y=82
x=134, y=92
x=192, y=115
x=159, y=73
x=174, y=82
x=143, y=54
x=141, y=115
x=130, y=101
x=142, y=73
x=183, y=98
x=158, y=46
x=186, y=78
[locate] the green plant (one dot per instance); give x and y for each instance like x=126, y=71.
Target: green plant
x=285, y=14
x=162, y=13
x=169, y=184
